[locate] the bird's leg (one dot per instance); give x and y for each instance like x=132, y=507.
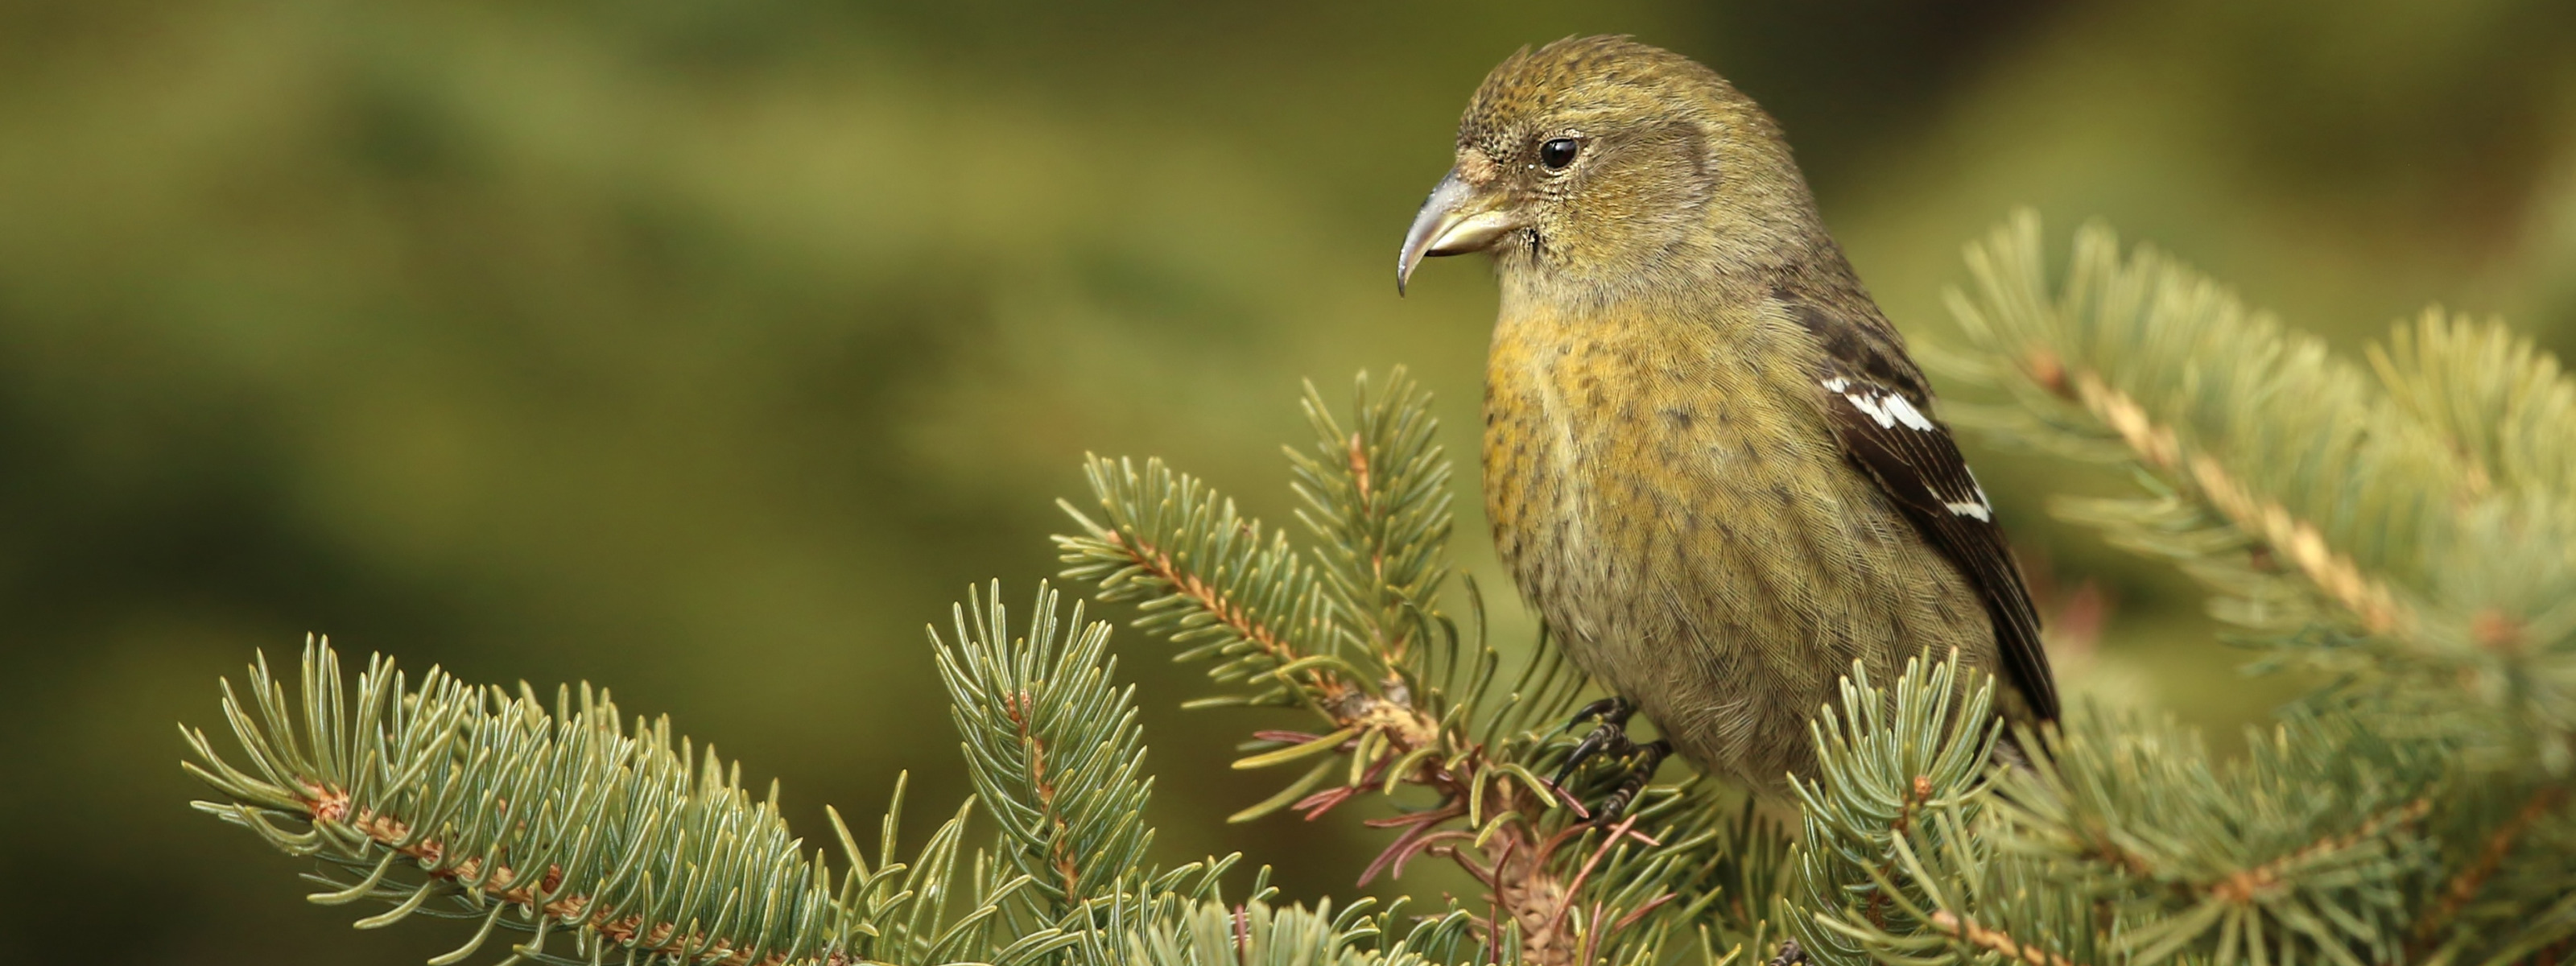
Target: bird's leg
x=1649, y=756
x=1610, y=737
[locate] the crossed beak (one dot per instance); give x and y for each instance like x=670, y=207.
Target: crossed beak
x=1458, y=218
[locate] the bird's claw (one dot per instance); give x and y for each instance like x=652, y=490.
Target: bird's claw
x=1611, y=733
x=1613, y=709
x=1611, y=737
x=1601, y=737
x=1649, y=756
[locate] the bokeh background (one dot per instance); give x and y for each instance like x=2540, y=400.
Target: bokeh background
x=708, y=350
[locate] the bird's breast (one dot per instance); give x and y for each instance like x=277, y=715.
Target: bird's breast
x=1667, y=495
x=1615, y=447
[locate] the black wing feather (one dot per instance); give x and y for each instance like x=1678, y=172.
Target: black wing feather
x=1880, y=407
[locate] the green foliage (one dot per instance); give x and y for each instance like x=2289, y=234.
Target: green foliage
x=2308, y=846
x=2406, y=525
x=1053, y=747
x=464, y=801
x=1204, y=576
x=1211, y=935
x=1893, y=767
x=2401, y=525
x=1377, y=502
x=2396, y=526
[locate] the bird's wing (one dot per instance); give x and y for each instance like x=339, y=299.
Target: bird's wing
x=1880, y=408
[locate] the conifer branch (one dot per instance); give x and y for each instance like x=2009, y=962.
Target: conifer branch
x=2405, y=524
x=1996, y=940
x=2281, y=535
x=2362, y=529
x=1256, y=933
x=1054, y=748
x=569, y=823
x=2463, y=886
x=1377, y=500
x=1887, y=759
x=2504, y=408
x=2246, y=886
x=2297, y=851
x=1052, y=745
x=1205, y=576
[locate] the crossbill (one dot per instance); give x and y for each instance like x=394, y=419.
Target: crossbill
x=1710, y=464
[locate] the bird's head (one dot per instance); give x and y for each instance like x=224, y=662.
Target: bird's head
x=1597, y=166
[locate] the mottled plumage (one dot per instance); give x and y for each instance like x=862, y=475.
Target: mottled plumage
x=1709, y=462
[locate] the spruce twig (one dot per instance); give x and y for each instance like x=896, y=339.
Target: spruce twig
x=1996, y=940
x=2409, y=537
x=1052, y=744
x=2464, y=885
x=568, y=825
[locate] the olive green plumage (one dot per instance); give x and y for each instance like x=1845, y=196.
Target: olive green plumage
x=1708, y=462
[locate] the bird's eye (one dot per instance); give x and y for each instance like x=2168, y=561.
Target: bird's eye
x=1558, y=152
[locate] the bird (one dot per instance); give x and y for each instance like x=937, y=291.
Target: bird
x=1709, y=462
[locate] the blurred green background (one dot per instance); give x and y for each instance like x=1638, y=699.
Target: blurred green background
x=708, y=350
